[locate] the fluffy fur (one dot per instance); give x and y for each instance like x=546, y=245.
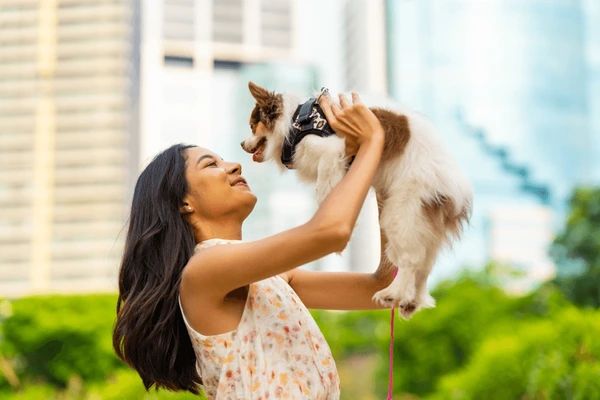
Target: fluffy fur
x=423, y=198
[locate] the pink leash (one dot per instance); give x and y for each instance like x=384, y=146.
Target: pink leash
x=391, y=374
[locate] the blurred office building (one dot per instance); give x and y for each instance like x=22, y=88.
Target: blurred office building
x=68, y=141
x=91, y=90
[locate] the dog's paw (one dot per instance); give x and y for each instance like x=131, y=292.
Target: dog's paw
x=408, y=309
x=389, y=297
x=426, y=301
x=386, y=298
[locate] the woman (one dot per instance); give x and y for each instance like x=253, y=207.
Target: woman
x=200, y=306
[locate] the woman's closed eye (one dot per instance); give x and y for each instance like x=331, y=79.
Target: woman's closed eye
x=211, y=163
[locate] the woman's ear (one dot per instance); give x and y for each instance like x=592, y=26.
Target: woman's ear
x=186, y=209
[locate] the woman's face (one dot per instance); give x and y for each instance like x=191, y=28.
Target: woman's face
x=214, y=187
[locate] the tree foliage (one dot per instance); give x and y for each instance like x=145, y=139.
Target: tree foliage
x=576, y=249
x=555, y=358
x=60, y=347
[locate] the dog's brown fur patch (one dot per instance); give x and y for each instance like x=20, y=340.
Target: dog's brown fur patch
x=268, y=107
x=397, y=132
x=446, y=223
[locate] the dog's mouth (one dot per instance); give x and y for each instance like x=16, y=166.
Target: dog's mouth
x=257, y=154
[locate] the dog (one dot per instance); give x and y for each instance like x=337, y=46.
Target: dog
x=423, y=198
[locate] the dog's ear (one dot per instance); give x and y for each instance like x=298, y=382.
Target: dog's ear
x=260, y=94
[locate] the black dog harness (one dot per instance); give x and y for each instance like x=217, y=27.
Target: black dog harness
x=308, y=119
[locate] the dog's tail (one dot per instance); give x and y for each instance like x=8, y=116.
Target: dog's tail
x=446, y=219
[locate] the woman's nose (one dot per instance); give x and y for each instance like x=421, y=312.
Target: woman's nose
x=236, y=167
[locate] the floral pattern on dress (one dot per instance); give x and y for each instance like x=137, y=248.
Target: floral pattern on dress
x=276, y=352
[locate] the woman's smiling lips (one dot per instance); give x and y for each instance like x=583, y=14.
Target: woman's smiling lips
x=239, y=181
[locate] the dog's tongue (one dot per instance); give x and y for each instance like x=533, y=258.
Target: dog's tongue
x=258, y=155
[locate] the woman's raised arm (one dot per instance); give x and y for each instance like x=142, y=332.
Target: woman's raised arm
x=217, y=270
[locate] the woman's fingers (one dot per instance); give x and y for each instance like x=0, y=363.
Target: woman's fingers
x=331, y=111
x=326, y=107
x=337, y=111
x=343, y=101
x=348, y=120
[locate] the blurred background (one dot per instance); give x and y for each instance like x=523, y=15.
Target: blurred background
x=91, y=90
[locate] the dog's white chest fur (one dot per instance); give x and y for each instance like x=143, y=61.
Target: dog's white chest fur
x=315, y=154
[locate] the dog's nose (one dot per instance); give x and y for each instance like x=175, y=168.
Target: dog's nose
x=242, y=144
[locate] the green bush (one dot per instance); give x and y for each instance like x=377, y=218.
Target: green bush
x=352, y=332
x=437, y=341
x=31, y=392
x=558, y=358
x=61, y=348
x=123, y=385
x=576, y=249
x=52, y=338
x=126, y=384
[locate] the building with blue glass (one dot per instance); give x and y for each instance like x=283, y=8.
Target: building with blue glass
x=508, y=83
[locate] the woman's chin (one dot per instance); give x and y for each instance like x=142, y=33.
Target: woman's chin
x=251, y=201
x=245, y=189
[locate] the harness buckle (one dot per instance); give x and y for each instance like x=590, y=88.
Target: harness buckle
x=324, y=92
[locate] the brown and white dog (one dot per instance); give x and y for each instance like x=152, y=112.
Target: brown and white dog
x=423, y=198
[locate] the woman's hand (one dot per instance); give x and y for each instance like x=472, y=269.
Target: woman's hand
x=355, y=122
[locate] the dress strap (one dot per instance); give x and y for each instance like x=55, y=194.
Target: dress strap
x=182, y=313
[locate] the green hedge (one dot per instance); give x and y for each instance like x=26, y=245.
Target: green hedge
x=55, y=337
x=61, y=347
x=437, y=343
x=558, y=358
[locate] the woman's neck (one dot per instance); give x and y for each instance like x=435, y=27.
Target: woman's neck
x=224, y=229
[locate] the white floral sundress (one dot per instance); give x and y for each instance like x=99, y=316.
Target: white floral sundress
x=276, y=352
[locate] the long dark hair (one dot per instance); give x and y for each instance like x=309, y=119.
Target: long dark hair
x=149, y=333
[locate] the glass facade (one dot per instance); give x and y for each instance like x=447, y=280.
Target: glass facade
x=592, y=33
x=508, y=85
